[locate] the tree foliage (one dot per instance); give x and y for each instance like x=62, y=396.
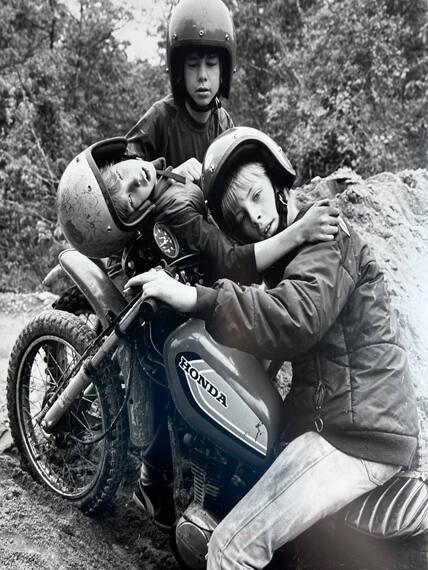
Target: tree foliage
x=65, y=82
x=336, y=82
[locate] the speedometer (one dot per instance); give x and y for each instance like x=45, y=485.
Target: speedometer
x=166, y=240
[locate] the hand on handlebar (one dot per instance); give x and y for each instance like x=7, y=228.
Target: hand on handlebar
x=159, y=285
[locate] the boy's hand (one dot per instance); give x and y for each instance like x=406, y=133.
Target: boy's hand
x=320, y=222
x=191, y=169
x=159, y=285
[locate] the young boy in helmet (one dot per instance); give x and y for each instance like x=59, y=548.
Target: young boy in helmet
x=104, y=197
x=351, y=411
x=201, y=60
x=130, y=187
x=134, y=183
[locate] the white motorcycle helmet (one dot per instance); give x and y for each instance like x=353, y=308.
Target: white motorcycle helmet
x=86, y=212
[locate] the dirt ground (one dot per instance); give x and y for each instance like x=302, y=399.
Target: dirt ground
x=39, y=531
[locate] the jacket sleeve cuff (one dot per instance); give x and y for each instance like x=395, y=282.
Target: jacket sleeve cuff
x=205, y=302
x=253, y=276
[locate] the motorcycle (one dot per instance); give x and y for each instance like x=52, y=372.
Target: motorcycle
x=76, y=397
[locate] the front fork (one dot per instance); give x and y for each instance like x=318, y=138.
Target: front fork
x=83, y=378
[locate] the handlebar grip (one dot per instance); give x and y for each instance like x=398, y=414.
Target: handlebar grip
x=149, y=309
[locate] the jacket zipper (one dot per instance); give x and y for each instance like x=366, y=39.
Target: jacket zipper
x=319, y=396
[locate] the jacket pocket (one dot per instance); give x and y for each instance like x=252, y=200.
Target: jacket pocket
x=379, y=473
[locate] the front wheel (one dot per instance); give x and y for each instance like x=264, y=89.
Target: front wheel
x=71, y=461
x=73, y=301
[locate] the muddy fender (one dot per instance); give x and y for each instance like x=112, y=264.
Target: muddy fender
x=100, y=291
x=57, y=281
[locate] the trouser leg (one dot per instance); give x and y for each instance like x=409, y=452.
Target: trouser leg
x=308, y=481
x=155, y=449
x=153, y=492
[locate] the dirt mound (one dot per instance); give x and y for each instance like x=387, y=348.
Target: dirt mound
x=390, y=212
x=39, y=531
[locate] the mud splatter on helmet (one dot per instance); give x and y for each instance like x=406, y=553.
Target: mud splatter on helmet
x=86, y=212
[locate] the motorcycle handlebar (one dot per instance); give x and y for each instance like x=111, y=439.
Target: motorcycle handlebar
x=148, y=309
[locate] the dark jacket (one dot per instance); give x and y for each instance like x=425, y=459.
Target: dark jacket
x=183, y=208
x=329, y=314
x=168, y=130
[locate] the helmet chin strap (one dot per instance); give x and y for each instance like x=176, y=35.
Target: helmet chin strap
x=167, y=173
x=213, y=104
x=282, y=207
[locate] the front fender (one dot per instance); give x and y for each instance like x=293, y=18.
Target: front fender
x=56, y=281
x=100, y=291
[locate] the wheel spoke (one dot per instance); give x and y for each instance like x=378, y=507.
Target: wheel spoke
x=68, y=460
x=68, y=464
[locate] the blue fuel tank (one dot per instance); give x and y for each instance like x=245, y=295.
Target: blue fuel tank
x=223, y=393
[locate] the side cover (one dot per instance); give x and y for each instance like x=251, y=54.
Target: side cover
x=101, y=293
x=223, y=393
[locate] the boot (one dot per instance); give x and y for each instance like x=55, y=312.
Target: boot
x=154, y=495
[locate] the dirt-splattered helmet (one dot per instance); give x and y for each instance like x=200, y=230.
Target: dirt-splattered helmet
x=200, y=23
x=86, y=212
x=233, y=148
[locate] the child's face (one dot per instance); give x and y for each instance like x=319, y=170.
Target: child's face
x=202, y=76
x=137, y=179
x=255, y=210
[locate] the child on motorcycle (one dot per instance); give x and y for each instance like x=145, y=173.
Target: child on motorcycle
x=351, y=413
x=133, y=183
x=201, y=51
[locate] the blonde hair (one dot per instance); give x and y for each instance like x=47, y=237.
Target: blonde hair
x=243, y=178
x=112, y=184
